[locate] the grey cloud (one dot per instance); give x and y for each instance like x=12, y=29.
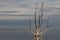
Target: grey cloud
x=21, y=3
x=52, y=0
x=23, y=15
x=9, y=11
x=10, y=3
x=2, y=5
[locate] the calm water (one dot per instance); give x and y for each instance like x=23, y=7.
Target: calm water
x=53, y=33
x=8, y=35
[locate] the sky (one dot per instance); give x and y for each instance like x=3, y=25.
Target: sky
x=11, y=9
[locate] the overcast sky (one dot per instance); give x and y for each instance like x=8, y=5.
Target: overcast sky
x=26, y=7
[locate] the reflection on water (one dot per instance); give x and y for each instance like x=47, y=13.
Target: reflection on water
x=54, y=34
x=18, y=35
x=37, y=38
x=40, y=37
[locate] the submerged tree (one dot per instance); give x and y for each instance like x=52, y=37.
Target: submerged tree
x=38, y=27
